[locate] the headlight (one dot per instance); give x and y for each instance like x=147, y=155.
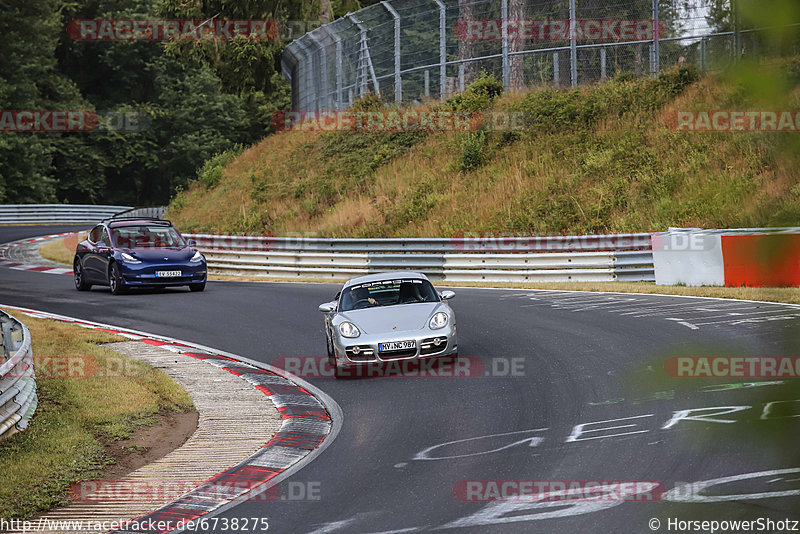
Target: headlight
x=349, y=330
x=197, y=257
x=127, y=258
x=439, y=320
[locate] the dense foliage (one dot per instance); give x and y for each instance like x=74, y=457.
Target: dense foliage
x=164, y=108
x=605, y=158
x=172, y=112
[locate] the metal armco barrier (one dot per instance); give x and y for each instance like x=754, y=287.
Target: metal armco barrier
x=18, y=398
x=56, y=213
x=156, y=212
x=606, y=258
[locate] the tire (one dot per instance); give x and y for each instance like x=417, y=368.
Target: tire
x=329, y=346
x=332, y=358
x=200, y=286
x=115, y=281
x=79, y=277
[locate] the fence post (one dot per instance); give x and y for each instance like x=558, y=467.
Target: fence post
x=365, y=70
x=573, y=43
x=603, y=74
x=442, y=50
x=556, y=70
x=655, y=66
x=322, y=92
x=309, y=76
x=398, y=84
x=461, y=77
x=339, y=63
x=8, y=338
x=703, y=46
x=756, y=48
x=504, y=49
x=427, y=83
x=737, y=31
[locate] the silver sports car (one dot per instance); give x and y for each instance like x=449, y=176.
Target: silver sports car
x=386, y=317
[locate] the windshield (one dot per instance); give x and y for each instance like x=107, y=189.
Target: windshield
x=146, y=237
x=387, y=293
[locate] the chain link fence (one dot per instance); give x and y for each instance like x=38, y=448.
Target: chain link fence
x=413, y=50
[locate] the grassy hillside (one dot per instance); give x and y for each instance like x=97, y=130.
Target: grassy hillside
x=595, y=160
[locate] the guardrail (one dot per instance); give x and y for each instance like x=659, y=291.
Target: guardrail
x=157, y=212
x=56, y=213
x=18, y=399
x=608, y=258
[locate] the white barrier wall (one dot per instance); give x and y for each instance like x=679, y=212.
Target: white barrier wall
x=688, y=258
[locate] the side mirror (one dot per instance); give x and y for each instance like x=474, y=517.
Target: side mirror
x=192, y=243
x=447, y=295
x=328, y=307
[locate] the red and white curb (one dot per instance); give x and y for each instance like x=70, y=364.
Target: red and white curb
x=7, y=262
x=311, y=421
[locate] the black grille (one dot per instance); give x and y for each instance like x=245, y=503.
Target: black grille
x=360, y=353
x=398, y=354
x=429, y=346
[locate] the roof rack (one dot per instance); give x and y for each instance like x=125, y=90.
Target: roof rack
x=141, y=218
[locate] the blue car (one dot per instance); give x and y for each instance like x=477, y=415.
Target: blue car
x=124, y=253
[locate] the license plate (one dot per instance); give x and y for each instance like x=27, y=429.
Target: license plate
x=396, y=345
x=168, y=274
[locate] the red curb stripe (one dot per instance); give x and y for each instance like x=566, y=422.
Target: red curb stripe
x=252, y=475
x=290, y=411
x=297, y=440
x=111, y=331
x=41, y=268
x=280, y=389
x=153, y=342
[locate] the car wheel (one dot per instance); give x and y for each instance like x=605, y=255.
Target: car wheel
x=115, y=281
x=80, y=278
x=329, y=346
x=200, y=286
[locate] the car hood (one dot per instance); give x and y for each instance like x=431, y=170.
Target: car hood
x=158, y=254
x=397, y=318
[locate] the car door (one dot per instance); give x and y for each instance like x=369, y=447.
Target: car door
x=104, y=253
x=92, y=266
x=329, y=316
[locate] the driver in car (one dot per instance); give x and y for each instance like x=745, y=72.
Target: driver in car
x=362, y=293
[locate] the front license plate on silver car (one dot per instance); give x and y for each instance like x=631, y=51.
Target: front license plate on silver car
x=168, y=274
x=396, y=345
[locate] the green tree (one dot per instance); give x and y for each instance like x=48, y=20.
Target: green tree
x=30, y=79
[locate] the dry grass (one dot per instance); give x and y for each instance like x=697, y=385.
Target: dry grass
x=628, y=172
x=106, y=398
x=62, y=250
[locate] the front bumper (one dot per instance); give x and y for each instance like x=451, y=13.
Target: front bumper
x=364, y=349
x=144, y=274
